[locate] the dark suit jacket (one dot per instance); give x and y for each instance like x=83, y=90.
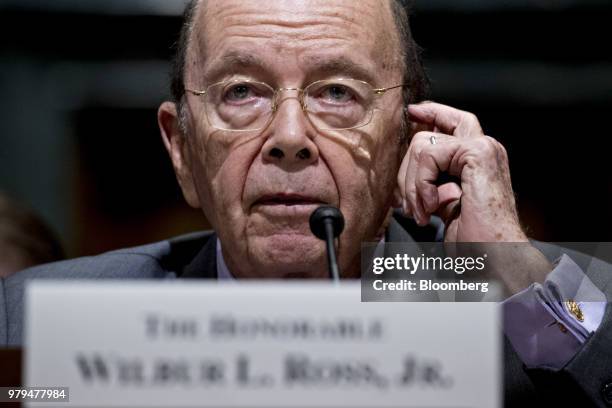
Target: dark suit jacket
x=585, y=381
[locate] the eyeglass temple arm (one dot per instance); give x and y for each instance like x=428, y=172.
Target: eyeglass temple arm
x=197, y=93
x=380, y=91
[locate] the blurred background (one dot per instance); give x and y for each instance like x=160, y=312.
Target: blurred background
x=80, y=82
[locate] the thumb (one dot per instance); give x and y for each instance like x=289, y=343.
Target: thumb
x=449, y=200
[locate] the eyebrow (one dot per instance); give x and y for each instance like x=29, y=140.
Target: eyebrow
x=316, y=66
x=231, y=62
x=322, y=66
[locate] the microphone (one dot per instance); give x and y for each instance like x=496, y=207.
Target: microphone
x=327, y=223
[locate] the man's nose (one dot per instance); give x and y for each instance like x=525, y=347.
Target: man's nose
x=290, y=141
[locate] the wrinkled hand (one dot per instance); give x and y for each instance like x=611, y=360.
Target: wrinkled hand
x=479, y=206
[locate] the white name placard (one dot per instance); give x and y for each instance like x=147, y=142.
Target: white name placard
x=187, y=344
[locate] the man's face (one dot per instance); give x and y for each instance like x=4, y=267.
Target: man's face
x=258, y=189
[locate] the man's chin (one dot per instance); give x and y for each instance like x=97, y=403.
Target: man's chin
x=286, y=256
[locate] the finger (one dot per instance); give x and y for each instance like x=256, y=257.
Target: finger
x=445, y=118
x=449, y=192
x=407, y=177
x=413, y=204
x=416, y=127
x=416, y=205
x=434, y=159
x=406, y=188
x=420, y=214
x=449, y=201
x=401, y=182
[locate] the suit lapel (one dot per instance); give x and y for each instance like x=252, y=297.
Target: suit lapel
x=204, y=264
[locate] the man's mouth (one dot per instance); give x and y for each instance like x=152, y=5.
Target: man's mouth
x=289, y=200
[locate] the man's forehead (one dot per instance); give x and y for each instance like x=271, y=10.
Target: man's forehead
x=309, y=24
x=293, y=10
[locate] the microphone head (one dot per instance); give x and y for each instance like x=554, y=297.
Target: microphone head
x=318, y=217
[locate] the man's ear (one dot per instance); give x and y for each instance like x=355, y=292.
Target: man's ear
x=178, y=148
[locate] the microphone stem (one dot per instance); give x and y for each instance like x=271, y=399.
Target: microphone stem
x=334, y=272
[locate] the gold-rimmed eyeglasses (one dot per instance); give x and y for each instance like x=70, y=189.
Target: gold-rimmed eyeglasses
x=332, y=104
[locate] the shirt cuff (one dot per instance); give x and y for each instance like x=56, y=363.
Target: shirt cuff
x=547, y=323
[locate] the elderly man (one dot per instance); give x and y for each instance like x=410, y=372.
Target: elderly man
x=280, y=109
